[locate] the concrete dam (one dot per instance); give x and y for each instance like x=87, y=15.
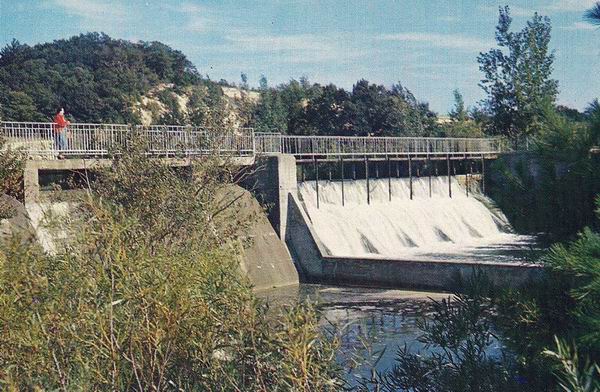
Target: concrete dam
x=423, y=233
x=417, y=227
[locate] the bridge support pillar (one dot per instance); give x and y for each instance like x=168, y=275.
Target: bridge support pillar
x=367, y=178
x=275, y=179
x=342, y=177
x=31, y=183
x=410, y=180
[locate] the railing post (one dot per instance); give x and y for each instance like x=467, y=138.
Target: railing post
x=429, y=173
x=466, y=177
x=449, y=175
x=389, y=164
x=410, y=181
x=316, y=166
x=482, y=174
x=342, y=169
x=281, y=149
x=367, y=178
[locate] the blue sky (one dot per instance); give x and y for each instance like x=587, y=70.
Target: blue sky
x=429, y=46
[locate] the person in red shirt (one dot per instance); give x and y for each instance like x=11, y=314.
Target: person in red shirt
x=60, y=132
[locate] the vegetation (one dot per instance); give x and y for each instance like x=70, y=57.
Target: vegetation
x=547, y=332
x=593, y=14
x=556, y=182
x=517, y=80
x=148, y=296
x=12, y=164
x=80, y=74
x=96, y=78
x=463, y=123
x=542, y=337
x=461, y=340
x=369, y=109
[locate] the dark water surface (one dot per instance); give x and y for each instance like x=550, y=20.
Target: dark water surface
x=372, y=323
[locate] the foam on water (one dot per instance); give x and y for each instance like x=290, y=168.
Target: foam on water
x=402, y=227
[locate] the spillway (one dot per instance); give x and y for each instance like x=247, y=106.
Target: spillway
x=426, y=226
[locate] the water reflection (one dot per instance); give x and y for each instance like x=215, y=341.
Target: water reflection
x=371, y=323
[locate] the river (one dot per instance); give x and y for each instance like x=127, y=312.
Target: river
x=371, y=323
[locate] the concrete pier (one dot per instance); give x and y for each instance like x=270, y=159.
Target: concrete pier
x=275, y=179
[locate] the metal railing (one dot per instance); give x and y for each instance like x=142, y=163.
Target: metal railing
x=38, y=139
x=308, y=146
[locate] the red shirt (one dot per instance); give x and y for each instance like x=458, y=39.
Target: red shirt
x=60, y=122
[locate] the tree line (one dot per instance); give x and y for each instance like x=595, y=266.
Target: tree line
x=101, y=79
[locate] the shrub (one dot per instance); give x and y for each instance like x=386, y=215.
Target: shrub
x=148, y=296
x=12, y=164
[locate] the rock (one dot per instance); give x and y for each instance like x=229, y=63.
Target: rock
x=16, y=220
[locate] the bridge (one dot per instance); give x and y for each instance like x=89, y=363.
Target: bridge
x=275, y=157
x=91, y=145
x=100, y=140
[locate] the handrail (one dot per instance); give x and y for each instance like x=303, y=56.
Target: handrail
x=84, y=139
x=302, y=145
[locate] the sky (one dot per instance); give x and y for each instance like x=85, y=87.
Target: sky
x=431, y=47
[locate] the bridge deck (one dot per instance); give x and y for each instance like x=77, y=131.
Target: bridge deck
x=100, y=140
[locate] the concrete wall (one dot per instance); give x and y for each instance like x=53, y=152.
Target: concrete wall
x=18, y=223
x=274, y=179
x=315, y=266
x=266, y=261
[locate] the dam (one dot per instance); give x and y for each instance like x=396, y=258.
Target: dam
x=429, y=225
x=398, y=212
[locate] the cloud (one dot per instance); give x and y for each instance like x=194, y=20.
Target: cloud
x=266, y=43
x=447, y=41
x=200, y=18
x=297, y=48
x=577, y=26
x=514, y=10
x=92, y=9
x=199, y=24
x=571, y=5
x=449, y=18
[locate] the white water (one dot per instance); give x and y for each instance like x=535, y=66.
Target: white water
x=403, y=228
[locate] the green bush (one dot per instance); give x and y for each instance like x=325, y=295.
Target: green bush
x=12, y=164
x=148, y=296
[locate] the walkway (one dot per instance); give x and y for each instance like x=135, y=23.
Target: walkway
x=99, y=140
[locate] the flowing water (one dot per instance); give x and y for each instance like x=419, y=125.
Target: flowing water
x=431, y=225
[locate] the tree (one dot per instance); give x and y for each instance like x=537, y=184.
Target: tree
x=327, y=112
x=462, y=124
x=271, y=115
x=459, y=112
x=18, y=106
x=593, y=14
x=244, y=78
x=77, y=71
x=517, y=76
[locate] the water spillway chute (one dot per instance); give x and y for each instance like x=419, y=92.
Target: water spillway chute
x=376, y=225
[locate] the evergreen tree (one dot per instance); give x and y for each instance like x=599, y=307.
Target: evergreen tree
x=459, y=113
x=593, y=14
